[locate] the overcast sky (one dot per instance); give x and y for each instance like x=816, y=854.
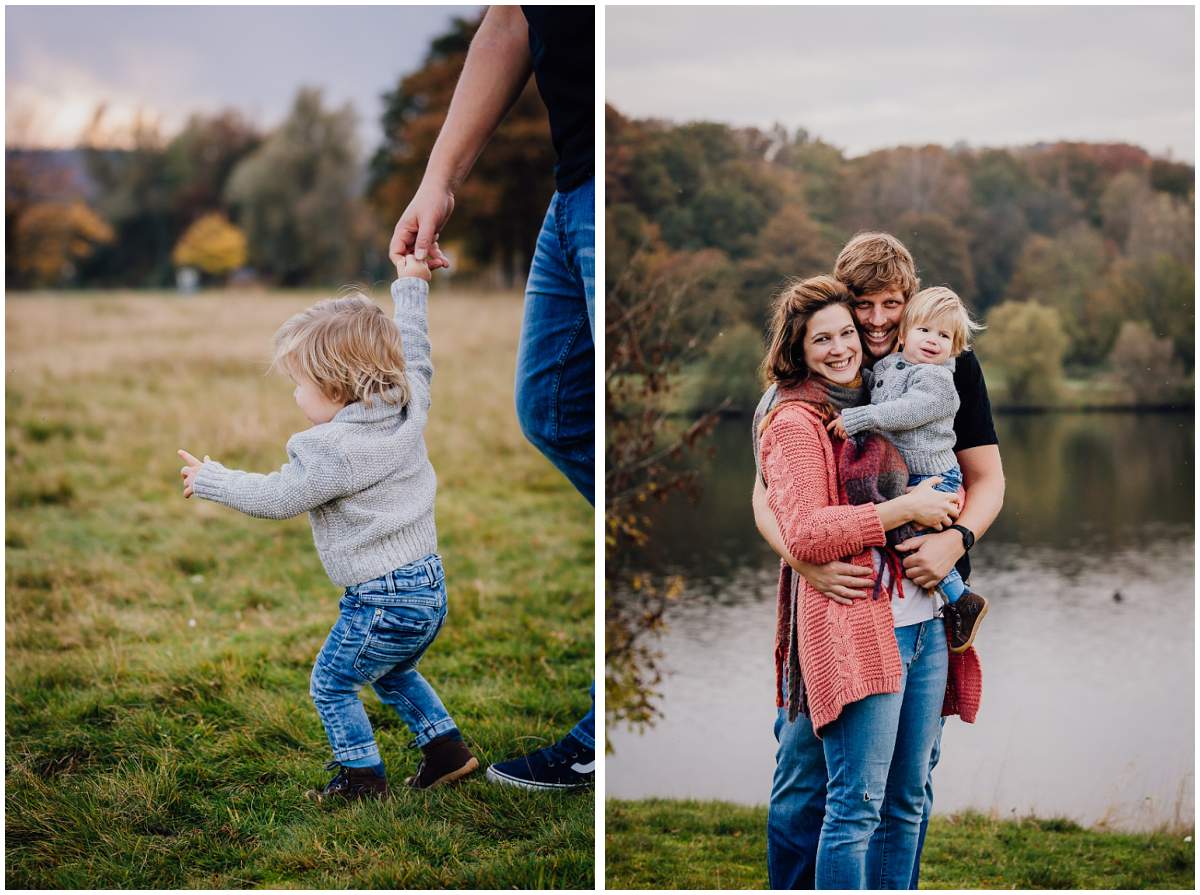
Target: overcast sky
x=173, y=60
x=863, y=78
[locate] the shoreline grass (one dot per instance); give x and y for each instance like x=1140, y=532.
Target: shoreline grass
x=159, y=730
x=677, y=844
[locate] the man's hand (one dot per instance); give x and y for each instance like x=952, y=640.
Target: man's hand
x=836, y=427
x=419, y=228
x=840, y=581
x=188, y=473
x=933, y=557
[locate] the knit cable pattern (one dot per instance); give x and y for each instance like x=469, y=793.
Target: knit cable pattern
x=845, y=652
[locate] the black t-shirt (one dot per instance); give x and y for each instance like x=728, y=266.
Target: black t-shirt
x=562, y=42
x=973, y=425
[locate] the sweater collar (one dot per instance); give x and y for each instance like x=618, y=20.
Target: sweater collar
x=380, y=409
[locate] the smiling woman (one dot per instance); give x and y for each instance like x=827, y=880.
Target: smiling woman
x=860, y=683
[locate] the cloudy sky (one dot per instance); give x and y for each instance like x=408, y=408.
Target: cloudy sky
x=169, y=61
x=868, y=77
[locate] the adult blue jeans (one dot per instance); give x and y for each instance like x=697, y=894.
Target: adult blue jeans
x=384, y=627
x=877, y=753
x=555, y=388
x=797, y=808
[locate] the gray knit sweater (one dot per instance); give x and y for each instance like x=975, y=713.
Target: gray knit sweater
x=914, y=406
x=364, y=477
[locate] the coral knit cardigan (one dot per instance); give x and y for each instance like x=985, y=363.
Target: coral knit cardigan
x=846, y=652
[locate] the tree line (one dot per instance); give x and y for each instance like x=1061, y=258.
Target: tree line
x=1079, y=256
x=297, y=205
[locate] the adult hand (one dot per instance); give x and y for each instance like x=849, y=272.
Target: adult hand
x=419, y=228
x=188, y=473
x=839, y=581
x=930, y=508
x=933, y=556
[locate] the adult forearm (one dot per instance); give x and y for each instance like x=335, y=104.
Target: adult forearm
x=767, y=525
x=496, y=70
x=983, y=479
x=895, y=512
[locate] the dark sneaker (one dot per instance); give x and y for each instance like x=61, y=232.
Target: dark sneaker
x=962, y=618
x=350, y=784
x=444, y=760
x=568, y=764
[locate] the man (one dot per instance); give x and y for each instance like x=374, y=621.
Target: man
x=882, y=276
x=555, y=360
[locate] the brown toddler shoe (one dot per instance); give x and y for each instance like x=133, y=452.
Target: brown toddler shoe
x=962, y=618
x=444, y=760
x=349, y=784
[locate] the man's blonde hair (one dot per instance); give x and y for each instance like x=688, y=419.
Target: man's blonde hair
x=940, y=303
x=876, y=262
x=348, y=348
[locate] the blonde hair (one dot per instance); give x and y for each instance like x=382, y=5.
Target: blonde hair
x=876, y=262
x=940, y=303
x=348, y=348
x=798, y=301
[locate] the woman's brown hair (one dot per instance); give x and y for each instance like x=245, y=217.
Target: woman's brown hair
x=798, y=301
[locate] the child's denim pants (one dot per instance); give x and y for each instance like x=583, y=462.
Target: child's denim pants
x=952, y=585
x=384, y=628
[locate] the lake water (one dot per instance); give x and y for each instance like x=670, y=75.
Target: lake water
x=1087, y=650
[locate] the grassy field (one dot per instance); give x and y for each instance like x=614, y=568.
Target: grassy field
x=159, y=731
x=702, y=845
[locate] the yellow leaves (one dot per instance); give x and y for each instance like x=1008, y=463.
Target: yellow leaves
x=211, y=244
x=51, y=236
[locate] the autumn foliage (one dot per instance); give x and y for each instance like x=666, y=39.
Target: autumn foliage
x=52, y=237
x=212, y=245
x=1097, y=233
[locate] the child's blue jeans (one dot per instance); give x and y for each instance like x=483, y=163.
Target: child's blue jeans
x=555, y=390
x=952, y=585
x=384, y=628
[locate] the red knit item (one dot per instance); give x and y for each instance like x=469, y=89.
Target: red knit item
x=845, y=652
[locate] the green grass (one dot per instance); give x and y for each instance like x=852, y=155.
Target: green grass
x=159, y=730
x=669, y=844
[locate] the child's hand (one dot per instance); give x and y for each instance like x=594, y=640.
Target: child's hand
x=837, y=427
x=188, y=473
x=408, y=266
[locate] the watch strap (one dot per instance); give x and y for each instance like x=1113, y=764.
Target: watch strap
x=968, y=536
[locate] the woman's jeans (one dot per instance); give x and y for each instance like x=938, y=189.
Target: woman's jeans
x=384, y=628
x=877, y=753
x=798, y=794
x=555, y=389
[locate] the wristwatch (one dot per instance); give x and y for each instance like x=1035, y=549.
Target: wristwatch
x=968, y=536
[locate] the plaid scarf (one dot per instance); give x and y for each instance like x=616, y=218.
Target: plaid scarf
x=869, y=470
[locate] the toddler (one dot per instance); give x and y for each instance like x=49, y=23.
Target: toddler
x=913, y=403
x=362, y=474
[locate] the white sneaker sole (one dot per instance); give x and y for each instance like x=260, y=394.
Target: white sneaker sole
x=505, y=780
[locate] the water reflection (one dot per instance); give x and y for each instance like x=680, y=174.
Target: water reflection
x=1088, y=651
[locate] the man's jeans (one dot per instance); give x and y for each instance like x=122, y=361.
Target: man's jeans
x=952, y=585
x=885, y=805
x=555, y=390
x=384, y=628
